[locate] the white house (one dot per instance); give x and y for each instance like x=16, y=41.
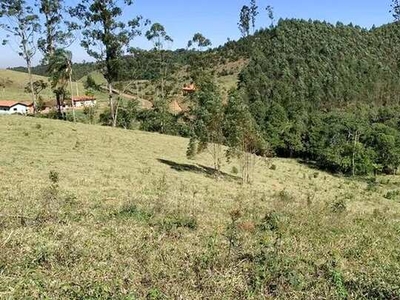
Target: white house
x=84, y=101
x=14, y=107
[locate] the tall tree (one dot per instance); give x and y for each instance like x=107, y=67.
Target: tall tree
x=55, y=31
x=60, y=70
x=200, y=41
x=106, y=37
x=242, y=135
x=270, y=12
x=21, y=23
x=396, y=10
x=253, y=14
x=244, y=20
x=159, y=37
x=207, y=117
x=197, y=58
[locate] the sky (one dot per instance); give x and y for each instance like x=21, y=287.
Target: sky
x=217, y=19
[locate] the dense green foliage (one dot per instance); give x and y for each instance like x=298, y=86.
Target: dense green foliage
x=327, y=93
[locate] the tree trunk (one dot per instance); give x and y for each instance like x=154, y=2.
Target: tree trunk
x=72, y=98
x=112, y=108
x=29, y=66
x=58, y=105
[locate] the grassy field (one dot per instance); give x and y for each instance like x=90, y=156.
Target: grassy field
x=92, y=212
x=15, y=83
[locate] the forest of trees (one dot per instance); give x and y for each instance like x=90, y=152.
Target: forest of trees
x=328, y=94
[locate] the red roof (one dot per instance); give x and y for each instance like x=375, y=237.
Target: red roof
x=190, y=88
x=10, y=103
x=83, y=98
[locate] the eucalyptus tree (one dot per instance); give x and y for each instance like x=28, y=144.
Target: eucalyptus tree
x=198, y=59
x=56, y=32
x=60, y=70
x=270, y=13
x=396, y=10
x=253, y=14
x=242, y=135
x=244, y=20
x=107, y=38
x=200, y=41
x=21, y=23
x=159, y=37
x=207, y=113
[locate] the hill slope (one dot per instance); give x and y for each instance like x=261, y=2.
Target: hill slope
x=124, y=213
x=15, y=83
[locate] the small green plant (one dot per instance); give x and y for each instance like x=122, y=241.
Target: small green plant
x=50, y=198
x=178, y=221
x=271, y=221
x=273, y=167
x=191, y=149
x=339, y=206
x=235, y=170
x=232, y=234
x=337, y=280
x=54, y=177
x=131, y=210
x=284, y=196
x=392, y=195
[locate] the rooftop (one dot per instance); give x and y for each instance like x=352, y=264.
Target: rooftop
x=83, y=98
x=11, y=103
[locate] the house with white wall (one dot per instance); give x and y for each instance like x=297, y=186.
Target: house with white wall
x=82, y=101
x=14, y=107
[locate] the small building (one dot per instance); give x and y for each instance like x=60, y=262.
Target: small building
x=14, y=107
x=83, y=101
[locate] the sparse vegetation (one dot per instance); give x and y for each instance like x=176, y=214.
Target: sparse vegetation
x=118, y=224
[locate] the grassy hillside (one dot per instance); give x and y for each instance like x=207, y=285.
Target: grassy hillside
x=15, y=83
x=94, y=212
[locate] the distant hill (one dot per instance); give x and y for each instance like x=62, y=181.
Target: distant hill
x=13, y=83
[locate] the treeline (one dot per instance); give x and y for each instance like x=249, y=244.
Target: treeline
x=143, y=64
x=328, y=94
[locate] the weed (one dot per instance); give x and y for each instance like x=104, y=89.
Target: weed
x=130, y=210
x=271, y=221
x=284, y=196
x=235, y=170
x=392, y=195
x=339, y=206
x=231, y=233
x=172, y=222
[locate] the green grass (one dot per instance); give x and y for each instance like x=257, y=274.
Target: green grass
x=92, y=212
x=17, y=81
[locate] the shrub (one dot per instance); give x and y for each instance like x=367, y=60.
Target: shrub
x=339, y=206
x=178, y=221
x=392, y=195
x=235, y=170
